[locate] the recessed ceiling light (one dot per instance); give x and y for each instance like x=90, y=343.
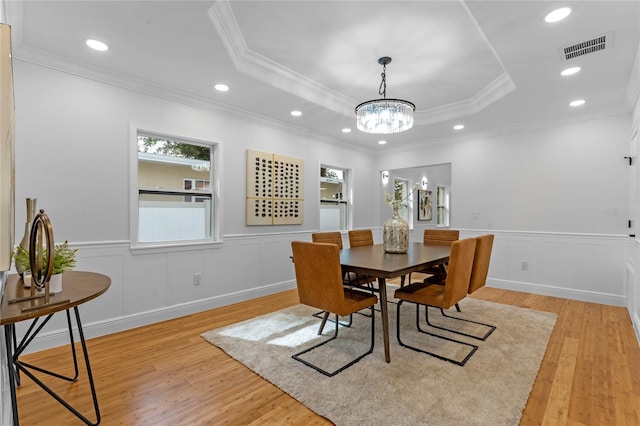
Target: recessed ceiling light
x=296, y=113
x=346, y=130
x=557, y=15
x=570, y=71
x=221, y=87
x=382, y=142
x=577, y=102
x=458, y=127
x=97, y=45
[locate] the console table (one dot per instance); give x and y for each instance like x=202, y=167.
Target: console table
x=78, y=287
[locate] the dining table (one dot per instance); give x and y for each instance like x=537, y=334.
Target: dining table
x=373, y=261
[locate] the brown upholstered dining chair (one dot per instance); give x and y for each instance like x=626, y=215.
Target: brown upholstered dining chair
x=442, y=237
x=439, y=237
x=328, y=237
x=441, y=296
x=360, y=237
x=348, y=278
x=484, y=246
x=319, y=282
x=479, y=273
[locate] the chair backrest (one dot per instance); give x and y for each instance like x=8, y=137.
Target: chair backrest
x=459, y=273
x=318, y=275
x=328, y=237
x=441, y=237
x=360, y=237
x=484, y=245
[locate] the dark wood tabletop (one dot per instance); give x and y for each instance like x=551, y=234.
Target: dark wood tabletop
x=77, y=287
x=373, y=261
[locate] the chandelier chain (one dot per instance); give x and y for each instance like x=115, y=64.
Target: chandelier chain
x=382, y=91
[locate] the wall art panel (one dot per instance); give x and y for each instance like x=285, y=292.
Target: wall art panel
x=275, y=188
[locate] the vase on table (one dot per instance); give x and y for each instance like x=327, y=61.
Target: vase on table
x=24, y=243
x=55, y=283
x=395, y=234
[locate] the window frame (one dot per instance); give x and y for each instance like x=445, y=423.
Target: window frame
x=346, y=194
x=442, y=206
x=215, y=240
x=406, y=208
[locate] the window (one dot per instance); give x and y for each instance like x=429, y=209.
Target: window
x=334, y=203
x=442, y=206
x=401, y=192
x=175, y=200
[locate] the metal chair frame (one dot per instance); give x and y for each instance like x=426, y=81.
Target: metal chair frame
x=474, y=348
x=335, y=335
x=492, y=328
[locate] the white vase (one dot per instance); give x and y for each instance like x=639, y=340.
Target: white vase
x=395, y=234
x=55, y=283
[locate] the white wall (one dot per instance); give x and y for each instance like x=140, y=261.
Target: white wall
x=556, y=198
x=72, y=154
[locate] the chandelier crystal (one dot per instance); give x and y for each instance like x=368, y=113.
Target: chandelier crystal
x=384, y=116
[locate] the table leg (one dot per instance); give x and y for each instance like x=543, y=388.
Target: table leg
x=25, y=368
x=8, y=337
x=382, y=287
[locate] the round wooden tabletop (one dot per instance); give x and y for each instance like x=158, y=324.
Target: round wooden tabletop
x=78, y=287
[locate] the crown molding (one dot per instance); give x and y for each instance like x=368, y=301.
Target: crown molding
x=485, y=97
x=271, y=72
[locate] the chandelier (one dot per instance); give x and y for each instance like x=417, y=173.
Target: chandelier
x=384, y=116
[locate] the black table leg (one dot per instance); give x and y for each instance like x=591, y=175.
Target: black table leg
x=382, y=287
x=25, y=368
x=9, y=331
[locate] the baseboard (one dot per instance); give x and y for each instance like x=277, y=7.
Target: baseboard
x=60, y=337
x=565, y=293
x=635, y=320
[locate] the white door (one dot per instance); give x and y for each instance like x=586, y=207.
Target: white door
x=632, y=274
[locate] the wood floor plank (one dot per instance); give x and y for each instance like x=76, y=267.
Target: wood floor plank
x=166, y=374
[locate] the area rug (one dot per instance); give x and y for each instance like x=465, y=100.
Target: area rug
x=414, y=388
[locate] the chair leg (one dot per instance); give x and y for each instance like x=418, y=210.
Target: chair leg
x=474, y=348
x=325, y=315
x=324, y=321
x=335, y=335
x=483, y=338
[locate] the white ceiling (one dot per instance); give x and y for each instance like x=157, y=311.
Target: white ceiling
x=490, y=65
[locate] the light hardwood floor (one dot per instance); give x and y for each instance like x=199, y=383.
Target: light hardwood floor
x=166, y=374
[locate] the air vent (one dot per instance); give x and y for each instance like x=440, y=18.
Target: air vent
x=585, y=47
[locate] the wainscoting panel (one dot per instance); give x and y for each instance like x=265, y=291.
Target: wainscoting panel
x=601, y=267
x=144, y=283
x=576, y=266
x=632, y=285
x=561, y=265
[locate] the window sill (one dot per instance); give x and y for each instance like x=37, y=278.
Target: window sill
x=167, y=247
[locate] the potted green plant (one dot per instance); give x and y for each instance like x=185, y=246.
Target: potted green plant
x=64, y=259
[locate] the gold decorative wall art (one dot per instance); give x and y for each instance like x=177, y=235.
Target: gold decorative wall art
x=275, y=189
